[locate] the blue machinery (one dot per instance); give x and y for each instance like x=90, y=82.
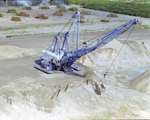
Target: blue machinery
x=65, y=49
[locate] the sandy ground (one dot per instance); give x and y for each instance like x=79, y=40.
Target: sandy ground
x=27, y=93
x=31, y=21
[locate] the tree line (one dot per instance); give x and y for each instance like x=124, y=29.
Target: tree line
x=133, y=8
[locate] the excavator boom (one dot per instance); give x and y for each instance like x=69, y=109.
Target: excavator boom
x=70, y=57
x=65, y=49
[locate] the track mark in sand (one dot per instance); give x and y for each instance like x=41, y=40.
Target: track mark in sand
x=19, y=64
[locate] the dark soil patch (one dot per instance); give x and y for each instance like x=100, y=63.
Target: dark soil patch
x=60, y=6
x=104, y=20
x=23, y=14
x=58, y=13
x=73, y=9
x=26, y=8
x=15, y=19
x=1, y=15
x=85, y=12
x=41, y=16
x=12, y=11
x=112, y=15
x=81, y=21
x=44, y=7
x=63, y=10
x=81, y=17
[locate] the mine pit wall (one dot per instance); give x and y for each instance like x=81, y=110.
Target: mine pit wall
x=51, y=97
x=134, y=53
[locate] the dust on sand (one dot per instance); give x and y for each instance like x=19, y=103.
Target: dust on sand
x=9, y=51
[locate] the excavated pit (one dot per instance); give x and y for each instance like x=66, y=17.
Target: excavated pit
x=77, y=95
x=27, y=93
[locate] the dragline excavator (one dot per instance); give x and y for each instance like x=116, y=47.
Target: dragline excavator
x=66, y=48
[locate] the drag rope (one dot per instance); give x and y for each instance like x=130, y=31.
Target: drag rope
x=100, y=35
x=66, y=25
x=97, y=36
x=118, y=52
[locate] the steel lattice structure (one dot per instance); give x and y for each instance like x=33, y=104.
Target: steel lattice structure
x=65, y=49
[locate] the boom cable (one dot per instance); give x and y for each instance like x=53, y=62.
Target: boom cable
x=66, y=25
x=118, y=52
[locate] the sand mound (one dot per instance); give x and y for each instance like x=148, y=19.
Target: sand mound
x=73, y=9
x=12, y=11
x=112, y=15
x=26, y=8
x=81, y=17
x=41, y=16
x=81, y=21
x=23, y=14
x=63, y=10
x=85, y=13
x=104, y=20
x=58, y=13
x=7, y=52
x=15, y=19
x=1, y=15
x=141, y=83
x=44, y=7
x=60, y=6
x=42, y=97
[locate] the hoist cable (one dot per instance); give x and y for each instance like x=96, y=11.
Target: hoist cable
x=118, y=52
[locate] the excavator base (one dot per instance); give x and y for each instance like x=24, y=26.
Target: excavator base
x=44, y=70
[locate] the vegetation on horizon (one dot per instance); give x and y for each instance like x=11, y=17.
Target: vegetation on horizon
x=73, y=9
x=133, y=8
x=12, y=11
x=63, y=10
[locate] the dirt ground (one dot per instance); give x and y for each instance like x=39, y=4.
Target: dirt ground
x=28, y=93
x=96, y=16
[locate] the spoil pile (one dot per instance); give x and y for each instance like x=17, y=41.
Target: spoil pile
x=41, y=16
x=112, y=15
x=63, y=10
x=81, y=17
x=81, y=21
x=12, y=11
x=58, y=13
x=44, y=7
x=60, y=6
x=1, y=15
x=10, y=51
x=104, y=20
x=23, y=14
x=83, y=12
x=73, y=9
x=15, y=19
x=26, y=8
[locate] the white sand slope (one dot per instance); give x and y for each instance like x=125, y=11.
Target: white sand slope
x=9, y=51
x=141, y=83
x=133, y=54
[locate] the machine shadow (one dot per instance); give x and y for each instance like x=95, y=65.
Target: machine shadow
x=38, y=62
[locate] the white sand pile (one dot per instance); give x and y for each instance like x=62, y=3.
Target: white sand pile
x=7, y=52
x=32, y=99
x=133, y=54
x=141, y=83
